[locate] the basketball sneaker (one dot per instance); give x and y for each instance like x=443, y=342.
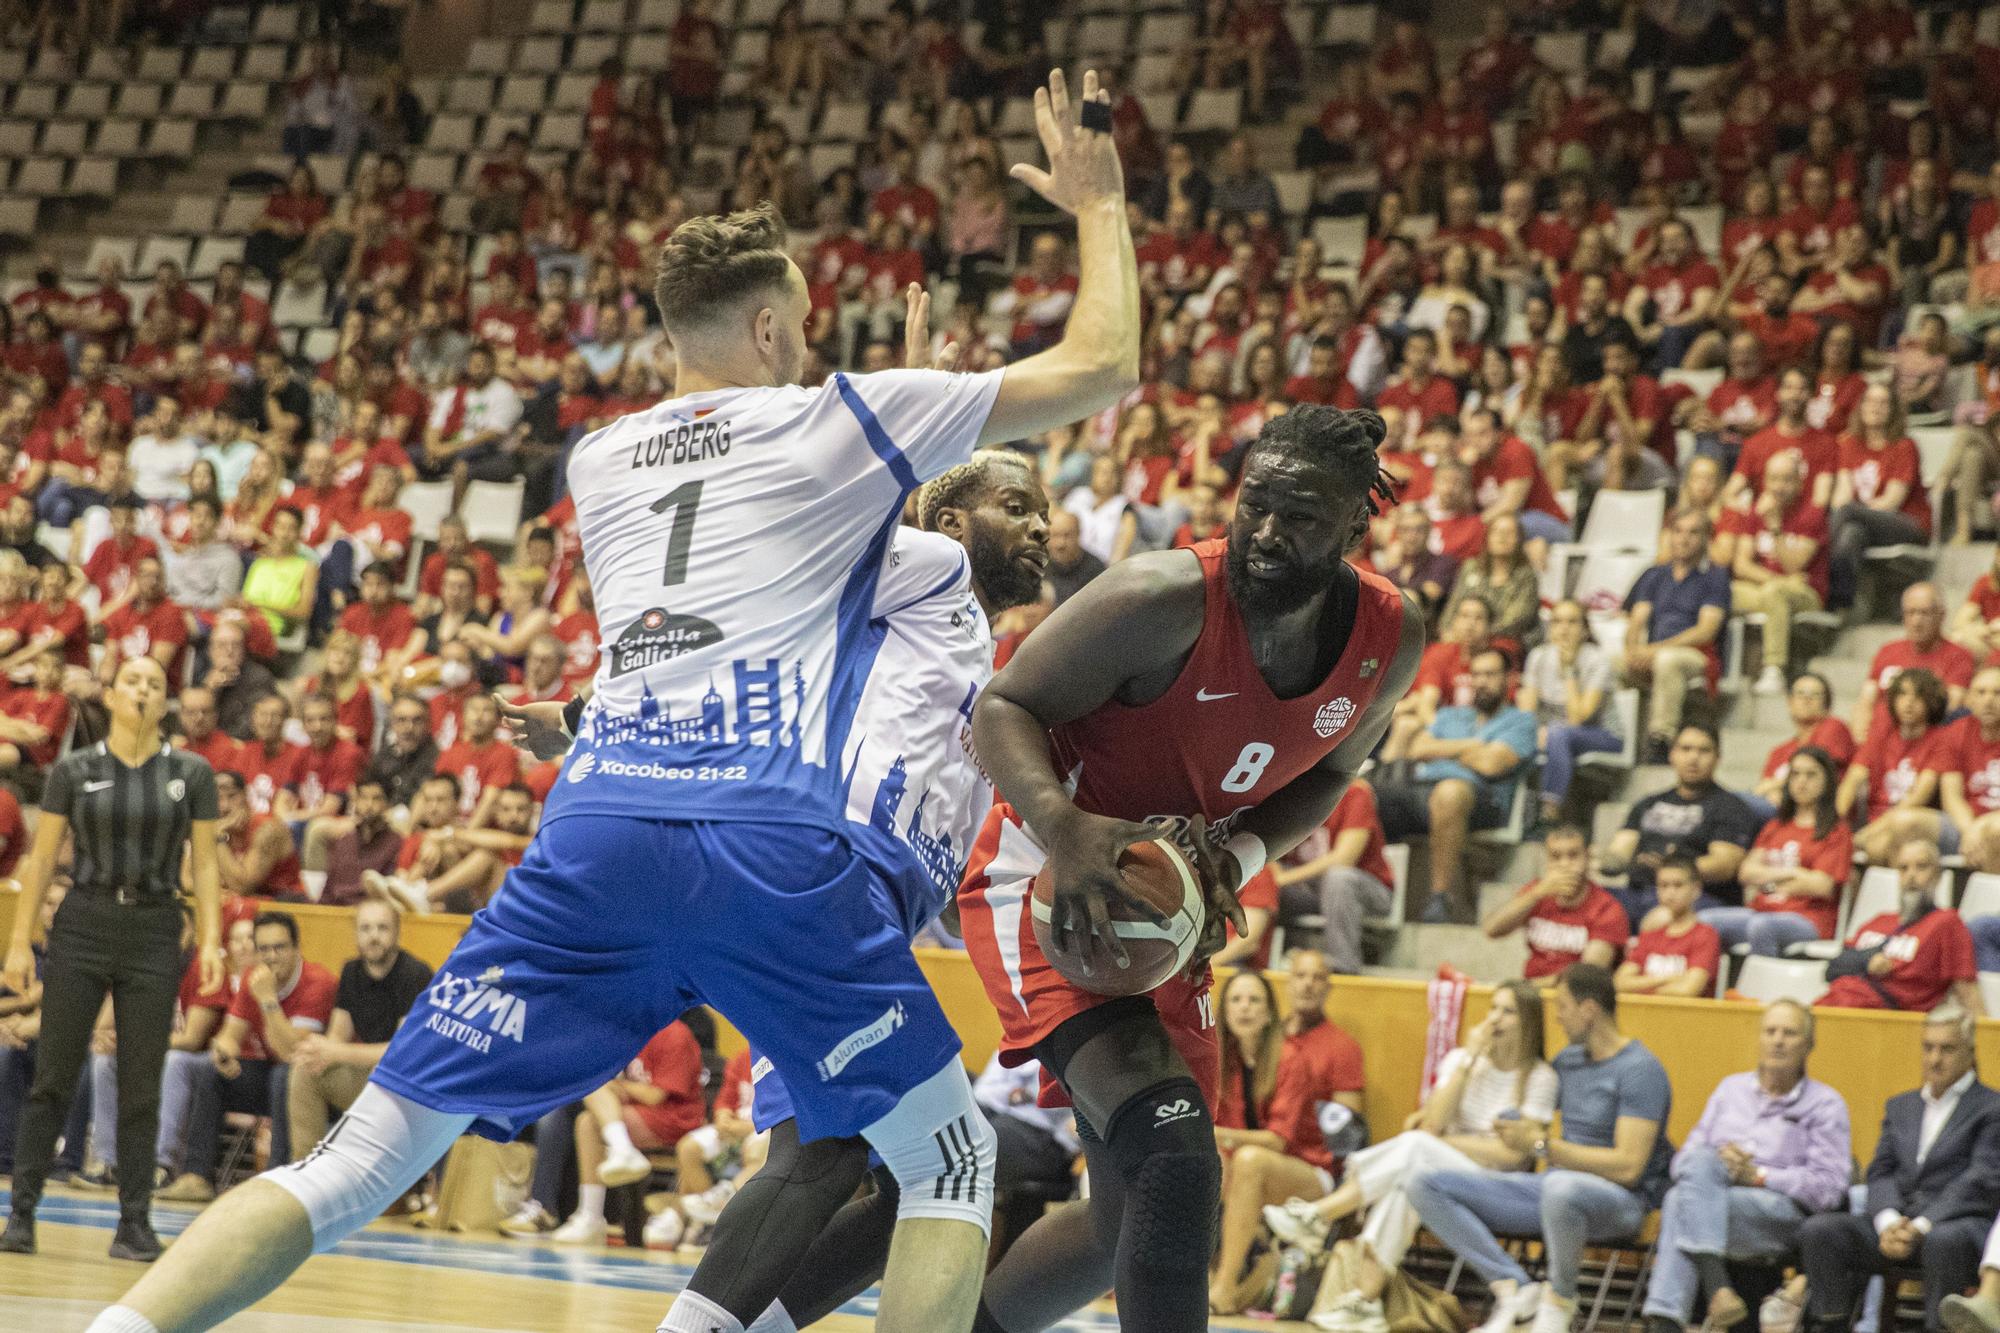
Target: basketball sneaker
x=664, y=1230
x=530, y=1219
x=1297, y=1222
x=580, y=1230
x=623, y=1164
x=705, y=1207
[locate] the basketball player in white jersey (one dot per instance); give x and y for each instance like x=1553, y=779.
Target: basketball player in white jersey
x=696, y=848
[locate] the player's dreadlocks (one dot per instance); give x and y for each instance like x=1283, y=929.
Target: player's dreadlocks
x=1339, y=441
x=955, y=489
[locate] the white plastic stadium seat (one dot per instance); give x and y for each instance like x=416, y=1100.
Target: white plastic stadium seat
x=88, y=101
x=489, y=55
x=215, y=63
x=427, y=503
x=602, y=16
x=239, y=214
x=17, y=217
x=492, y=510
x=1767, y=979
x=118, y=138
x=171, y=138
x=1879, y=892
x=299, y=305
x=1989, y=992
x=160, y=250
x=35, y=101
x=585, y=52
x=1165, y=32
x=245, y=100
x=192, y=99
x=266, y=64
x=1981, y=898
x=1341, y=240
x=65, y=138
x=121, y=248
x=17, y=138
x=572, y=91
x=159, y=64
x=1349, y=25
x=141, y=101
x=559, y=129
x=277, y=23
x=1606, y=577
x=212, y=252
x=40, y=178
x=94, y=178
x=1214, y=109
x=452, y=132
x=552, y=16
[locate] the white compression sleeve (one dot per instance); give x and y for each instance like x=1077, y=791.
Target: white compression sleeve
x=370, y=1156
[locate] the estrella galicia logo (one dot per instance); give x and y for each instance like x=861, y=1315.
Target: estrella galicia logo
x=658, y=636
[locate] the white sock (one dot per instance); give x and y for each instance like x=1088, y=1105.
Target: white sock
x=697, y=1314
x=120, y=1319
x=618, y=1138
x=590, y=1202
x=773, y=1320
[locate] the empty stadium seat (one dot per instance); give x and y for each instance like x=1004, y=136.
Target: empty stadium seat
x=1767, y=979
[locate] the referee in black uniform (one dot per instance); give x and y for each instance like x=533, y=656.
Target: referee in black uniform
x=135, y=804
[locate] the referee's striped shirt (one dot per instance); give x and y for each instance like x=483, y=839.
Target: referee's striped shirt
x=130, y=824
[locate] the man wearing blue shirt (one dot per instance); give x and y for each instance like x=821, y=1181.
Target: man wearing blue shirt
x=1674, y=618
x=1599, y=1179
x=1467, y=764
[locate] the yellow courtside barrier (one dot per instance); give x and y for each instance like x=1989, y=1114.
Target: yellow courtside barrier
x=1868, y=1056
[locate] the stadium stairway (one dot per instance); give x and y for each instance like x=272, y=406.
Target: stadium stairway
x=1751, y=725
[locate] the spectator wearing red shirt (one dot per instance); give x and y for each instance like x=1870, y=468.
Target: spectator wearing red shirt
x=1744, y=402
x=171, y=292
x=1671, y=303
x=1179, y=258
x=93, y=385
x=538, y=355
x=506, y=320
x=103, y=315
x=39, y=352
x=282, y=998
x=1806, y=234
x=1982, y=224
x=1790, y=435
x=1798, y=866
x=1810, y=705
x=1457, y=529
x=1563, y=916
x=503, y=186
x=1507, y=478
x=455, y=547
x=482, y=763
x=1848, y=286
x=1444, y=676
x=1913, y=958
x=35, y=718
x=1786, y=334
x=267, y=763
x=145, y=625
x=1878, y=496
x=1040, y=298
x=1965, y=764
x=1680, y=955
x=254, y=852
x=376, y=529
x=654, y=1104
x=1611, y=444
x=1780, y=566
x=328, y=766
x=1340, y=872
x=1975, y=626
x=1897, y=765
x=1419, y=394
x=694, y=64
x=383, y=623
x=1276, y=1075
x=112, y=567
x=289, y=216
x=200, y=733
x=1923, y=645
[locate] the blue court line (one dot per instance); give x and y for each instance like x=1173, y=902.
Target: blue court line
x=600, y=1268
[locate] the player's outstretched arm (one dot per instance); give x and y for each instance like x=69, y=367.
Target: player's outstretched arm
x=1097, y=361
x=1283, y=819
x=1138, y=618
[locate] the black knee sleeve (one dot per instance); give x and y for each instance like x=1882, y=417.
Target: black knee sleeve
x=1162, y=1142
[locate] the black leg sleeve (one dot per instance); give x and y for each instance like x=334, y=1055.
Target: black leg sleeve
x=849, y=1257
x=775, y=1217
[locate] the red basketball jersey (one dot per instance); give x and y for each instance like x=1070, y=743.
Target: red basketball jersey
x=1219, y=741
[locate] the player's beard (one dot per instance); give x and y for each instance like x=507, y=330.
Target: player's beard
x=1278, y=596
x=1005, y=579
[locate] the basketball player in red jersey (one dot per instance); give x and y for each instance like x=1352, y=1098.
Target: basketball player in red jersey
x=1231, y=690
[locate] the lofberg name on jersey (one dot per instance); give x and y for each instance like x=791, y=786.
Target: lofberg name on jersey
x=735, y=593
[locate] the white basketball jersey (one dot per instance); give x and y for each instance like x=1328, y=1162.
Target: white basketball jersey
x=734, y=540
x=912, y=774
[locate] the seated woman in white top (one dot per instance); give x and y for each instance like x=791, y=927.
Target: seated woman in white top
x=1499, y=1069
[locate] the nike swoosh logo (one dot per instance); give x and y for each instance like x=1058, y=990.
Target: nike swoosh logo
x=96, y=786
x=1203, y=696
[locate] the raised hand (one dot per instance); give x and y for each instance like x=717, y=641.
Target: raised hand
x=917, y=334
x=1083, y=164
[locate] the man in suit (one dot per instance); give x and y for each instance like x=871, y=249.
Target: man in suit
x=1932, y=1188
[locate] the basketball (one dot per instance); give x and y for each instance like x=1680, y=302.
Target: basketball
x=1157, y=872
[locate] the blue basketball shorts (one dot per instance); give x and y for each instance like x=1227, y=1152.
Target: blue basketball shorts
x=612, y=927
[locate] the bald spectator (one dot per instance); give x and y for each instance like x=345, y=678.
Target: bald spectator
x=1780, y=566
x=235, y=679
x=377, y=988
x=1923, y=645
x=1070, y=566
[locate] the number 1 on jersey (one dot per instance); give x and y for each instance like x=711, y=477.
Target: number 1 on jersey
x=686, y=499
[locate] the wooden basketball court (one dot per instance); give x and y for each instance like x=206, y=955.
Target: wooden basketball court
x=392, y=1277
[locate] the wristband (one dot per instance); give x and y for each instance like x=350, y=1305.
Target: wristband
x=1248, y=849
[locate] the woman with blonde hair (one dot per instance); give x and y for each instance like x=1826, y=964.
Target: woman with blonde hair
x=1498, y=1073
x=521, y=620
x=1878, y=493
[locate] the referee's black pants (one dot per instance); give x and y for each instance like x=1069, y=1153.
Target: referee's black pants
x=131, y=951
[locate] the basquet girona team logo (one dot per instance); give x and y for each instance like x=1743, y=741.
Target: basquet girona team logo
x=1333, y=716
